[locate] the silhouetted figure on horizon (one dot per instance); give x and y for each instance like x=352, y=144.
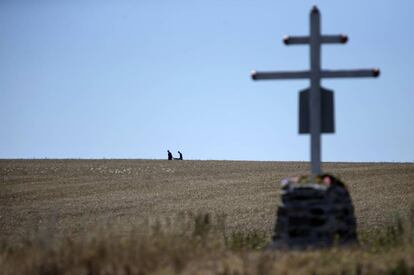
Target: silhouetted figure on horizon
x=170, y=156
x=181, y=156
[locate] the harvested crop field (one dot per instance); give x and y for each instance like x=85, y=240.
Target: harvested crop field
x=41, y=199
x=70, y=195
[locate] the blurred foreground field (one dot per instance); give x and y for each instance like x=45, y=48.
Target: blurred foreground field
x=144, y=216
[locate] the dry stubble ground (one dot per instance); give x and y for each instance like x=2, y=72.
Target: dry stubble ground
x=45, y=198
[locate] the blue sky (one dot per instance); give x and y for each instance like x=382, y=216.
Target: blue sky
x=131, y=79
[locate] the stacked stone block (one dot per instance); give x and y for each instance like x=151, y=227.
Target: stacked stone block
x=314, y=215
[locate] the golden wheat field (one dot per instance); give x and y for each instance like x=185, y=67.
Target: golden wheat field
x=137, y=217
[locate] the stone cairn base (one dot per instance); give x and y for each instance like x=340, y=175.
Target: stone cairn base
x=314, y=215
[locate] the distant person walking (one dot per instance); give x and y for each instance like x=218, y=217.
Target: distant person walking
x=170, y=156
x=181, y=155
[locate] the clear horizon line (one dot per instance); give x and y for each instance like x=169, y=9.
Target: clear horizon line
x=241, y=160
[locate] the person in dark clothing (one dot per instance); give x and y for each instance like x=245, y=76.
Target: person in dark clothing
x=181, y=155
x=170, y=156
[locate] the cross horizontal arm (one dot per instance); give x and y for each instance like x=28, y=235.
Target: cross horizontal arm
x=295, y=40
x=330, y=39
x=279, y=75
x=350, y=73
x=325, y=39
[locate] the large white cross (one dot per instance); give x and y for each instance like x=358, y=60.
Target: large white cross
x=315, y=39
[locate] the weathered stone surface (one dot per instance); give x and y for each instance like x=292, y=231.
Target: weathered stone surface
x=314, y=215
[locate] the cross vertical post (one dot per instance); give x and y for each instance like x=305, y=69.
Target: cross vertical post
x=316, y=112
x=315, y=93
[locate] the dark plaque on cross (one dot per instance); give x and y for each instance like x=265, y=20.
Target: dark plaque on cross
x=316, y=104
x=327, y=112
